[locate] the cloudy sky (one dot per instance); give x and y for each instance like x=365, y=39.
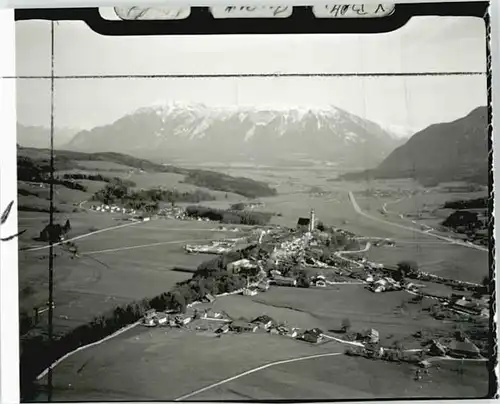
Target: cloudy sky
x=425, y=44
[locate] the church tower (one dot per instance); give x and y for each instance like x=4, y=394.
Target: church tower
x=312, y=222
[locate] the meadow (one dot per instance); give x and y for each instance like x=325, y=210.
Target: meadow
x=157, y=364
x=348, y=378
x=112, y=267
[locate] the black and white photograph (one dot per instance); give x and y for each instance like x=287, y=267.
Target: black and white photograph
x=254, y=217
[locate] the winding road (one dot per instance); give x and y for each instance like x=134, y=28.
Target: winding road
x=340, y=254
x=412, y=229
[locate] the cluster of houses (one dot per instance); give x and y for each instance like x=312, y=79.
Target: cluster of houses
x=173, y=212
x=460, y=348
x=215, y=247
x=112, y=209
x=152, y=318
x=382, y=284
x=225, y=324
x=267, y=324
x=470, y=306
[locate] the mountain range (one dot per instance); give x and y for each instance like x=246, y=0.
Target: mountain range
x=245, y=134
x=450, y=151
x=39, y=136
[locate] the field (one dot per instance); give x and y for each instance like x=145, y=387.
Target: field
x=152, y=364
x=136, y=261
x=326, y=308
x=113, y=267
x=345, y=378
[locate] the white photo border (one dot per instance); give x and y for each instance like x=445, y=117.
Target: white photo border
x=9, y=325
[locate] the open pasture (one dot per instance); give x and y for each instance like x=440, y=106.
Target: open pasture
x=155, y=364
x=128, y=263
x=342, y=377
x=81, y=223
x=389, y=313
x=162, y=370
x=327, y=308
x=437, y=257
x=146, y=180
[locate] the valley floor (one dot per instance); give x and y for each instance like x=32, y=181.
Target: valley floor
x=137, y=260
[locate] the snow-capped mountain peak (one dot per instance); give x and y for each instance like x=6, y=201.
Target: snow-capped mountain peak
x=177, y=129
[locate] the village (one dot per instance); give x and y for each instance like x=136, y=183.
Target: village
x=298, y=258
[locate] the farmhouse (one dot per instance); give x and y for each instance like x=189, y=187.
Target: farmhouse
x=437, y=349
x=263, y=286
x=283, y=281
x=236, y=266
x=161, y=318
x=313, y=336
x=464, y=349
x=210, y=313
x=149, y=318
x=250, y=292
x=243, y=326
x=264, y=321
x=222, y=329
x=208, y=298
x=180, y=320
x=371, y=336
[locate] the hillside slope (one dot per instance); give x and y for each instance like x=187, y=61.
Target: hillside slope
x=34, y=164
x=452, y=151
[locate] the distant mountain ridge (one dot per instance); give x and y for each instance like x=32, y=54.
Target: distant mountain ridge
x=197, y=132
x=451, y=151
x=39, y=136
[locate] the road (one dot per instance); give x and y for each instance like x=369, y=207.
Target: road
x=254, y=370
x=384, y=208
x=143, y=246
x=85, y=235
x=340, y=254
x=412, y=229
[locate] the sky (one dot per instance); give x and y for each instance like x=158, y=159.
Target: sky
x=425, y=44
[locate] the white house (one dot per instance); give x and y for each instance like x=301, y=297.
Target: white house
x=249, y=292
x=161, y=318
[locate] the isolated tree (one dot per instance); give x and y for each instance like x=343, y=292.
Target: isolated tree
x=303, y=280
x=346, y=325
x=407, y=267
x=398, y=275
x=67, y=226
x=320, y=226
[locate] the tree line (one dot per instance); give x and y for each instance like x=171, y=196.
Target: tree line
x=229, y=216
x=99, y=177
x=222, y=182
x=147, y=199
